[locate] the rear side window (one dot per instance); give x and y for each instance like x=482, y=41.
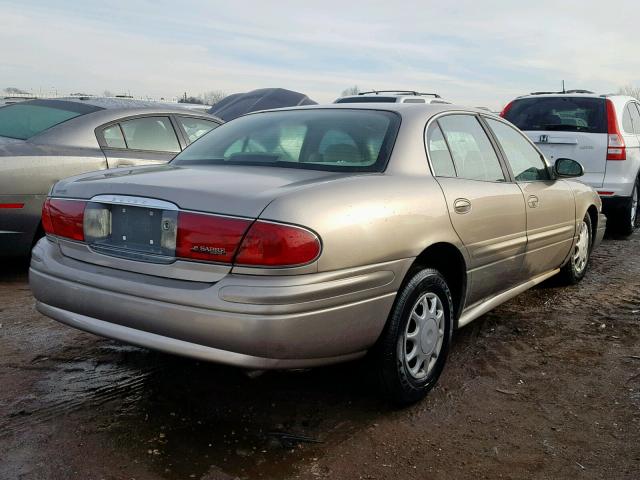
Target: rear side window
x=473, y=154
x=195, y=127
x=320, y=139
x=113, y=137
x=627, y=124
x=150, y=133
x=634, y=109
x=525, y=161
x=441, y=160
x=568, y=114
x=25, y=120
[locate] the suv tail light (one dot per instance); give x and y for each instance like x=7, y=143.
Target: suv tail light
x=63, y=218
x=506, y=109
x=278, y=245
x=616, y=148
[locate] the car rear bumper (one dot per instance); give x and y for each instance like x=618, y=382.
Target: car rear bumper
x=248, y=321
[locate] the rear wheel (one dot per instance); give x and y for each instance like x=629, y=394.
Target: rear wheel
x=626, y=220
x=413, y=348
x=576, y=267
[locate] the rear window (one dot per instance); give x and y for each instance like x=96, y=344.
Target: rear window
x=25, y=120
x=328, y=139
x=567, y=114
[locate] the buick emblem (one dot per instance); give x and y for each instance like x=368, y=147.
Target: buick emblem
x=544, y=138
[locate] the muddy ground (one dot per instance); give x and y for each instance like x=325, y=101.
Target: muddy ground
x=546, y=386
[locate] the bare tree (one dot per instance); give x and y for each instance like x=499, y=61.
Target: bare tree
x=354, y=90
x=630, y=90
x=212, y=97
x=15, y=91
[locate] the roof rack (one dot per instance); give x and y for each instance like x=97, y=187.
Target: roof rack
x=560, y=93
x=401, y=92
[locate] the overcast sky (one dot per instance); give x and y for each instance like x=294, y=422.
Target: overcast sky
x=481, y=53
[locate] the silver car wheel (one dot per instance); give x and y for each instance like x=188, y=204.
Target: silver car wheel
x=423, y=336
x=581, y=253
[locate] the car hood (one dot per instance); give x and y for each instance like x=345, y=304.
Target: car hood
x=232, y=190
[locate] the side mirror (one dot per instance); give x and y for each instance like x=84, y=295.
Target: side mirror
x=568, y=168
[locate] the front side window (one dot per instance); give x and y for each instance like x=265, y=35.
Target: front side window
x=441, y=160
x=525, y=161
x=321, y=139
x=150, y=133
x=566, y=114
x=471, y=149
x=196, y=127
x=25, y=120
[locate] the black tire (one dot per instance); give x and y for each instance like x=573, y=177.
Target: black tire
x=625, y=220
x=574, y=270
x=395, y=378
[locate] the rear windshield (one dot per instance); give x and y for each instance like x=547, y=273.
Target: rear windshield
x=328, y=139
x=25, y=120
x=568, y=114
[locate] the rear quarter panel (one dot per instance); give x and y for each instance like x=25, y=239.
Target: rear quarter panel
x=369, y=219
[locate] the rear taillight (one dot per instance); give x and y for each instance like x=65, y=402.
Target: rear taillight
x=63, y=218
x=277, y=245
x=616, y=148
x=209, y=237
x=506, y=109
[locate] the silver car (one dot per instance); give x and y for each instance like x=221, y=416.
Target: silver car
x=310, y=236
x=42, y=141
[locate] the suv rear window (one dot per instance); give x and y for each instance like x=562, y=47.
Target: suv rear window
x=318, y=139
x=27, y=119
x=568, y=114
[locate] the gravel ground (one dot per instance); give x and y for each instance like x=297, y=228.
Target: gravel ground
x=546, y=386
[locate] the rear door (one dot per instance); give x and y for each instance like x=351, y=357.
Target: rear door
x=139, y=141
x=550, y=204
x=486, y=209
x=566, y=127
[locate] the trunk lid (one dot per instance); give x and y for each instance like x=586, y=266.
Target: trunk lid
x=242, y=191
x=131, y=221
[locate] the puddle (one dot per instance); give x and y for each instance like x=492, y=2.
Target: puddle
x=185, y=419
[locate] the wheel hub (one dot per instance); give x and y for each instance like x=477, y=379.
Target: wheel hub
x=429, y=336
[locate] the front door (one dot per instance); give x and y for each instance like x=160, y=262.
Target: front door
x=551, y=215
x=487, y=211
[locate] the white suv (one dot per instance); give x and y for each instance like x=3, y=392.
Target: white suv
x=602, y=132
x=392, y=96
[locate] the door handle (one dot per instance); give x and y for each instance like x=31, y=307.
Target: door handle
x=533, y=201
x=462, y=205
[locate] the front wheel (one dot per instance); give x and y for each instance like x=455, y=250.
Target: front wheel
x=413, y=348
x=576, y=267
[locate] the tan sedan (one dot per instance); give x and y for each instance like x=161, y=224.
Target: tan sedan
x=309, y=236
